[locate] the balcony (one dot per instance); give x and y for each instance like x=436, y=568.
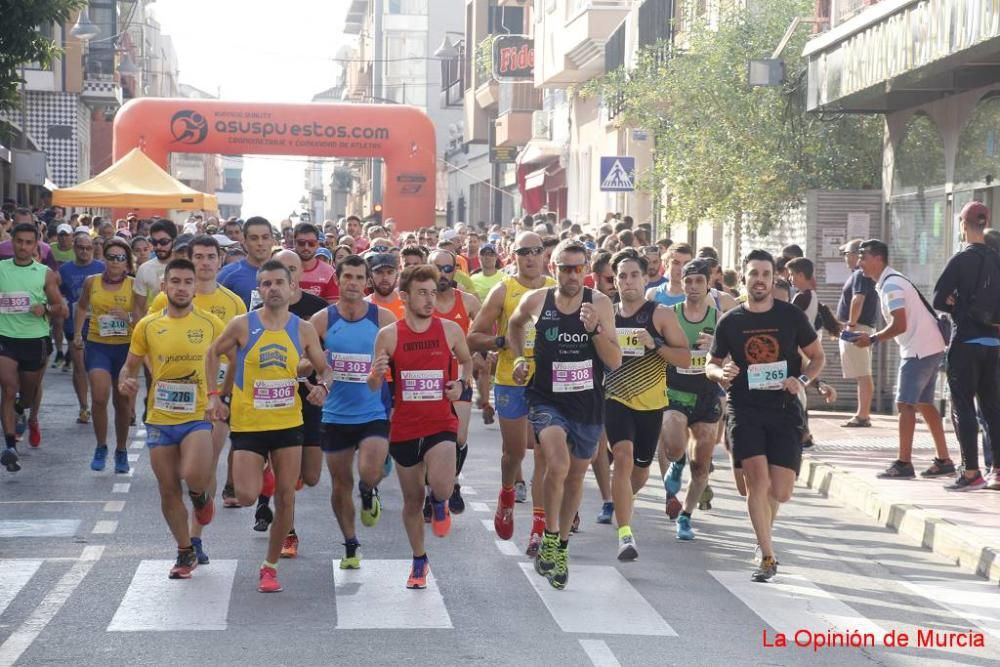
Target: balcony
x=571, y=39
x=487, y=89
x=515, y=106
x=844, y=10
x=355, y=18
x=101, y=90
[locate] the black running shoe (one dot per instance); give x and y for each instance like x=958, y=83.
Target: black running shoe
x=8, y=459
x=263, y=518
x=456, y=503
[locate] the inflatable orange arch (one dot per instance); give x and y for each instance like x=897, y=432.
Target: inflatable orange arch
x=402, y=136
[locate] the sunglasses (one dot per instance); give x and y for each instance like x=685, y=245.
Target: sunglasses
x=446, y=269
x=161, y=242
x=83, y=247
x=651, y=250
x=380, y=248
x=115, y=258
x=524, y=252
x=306, y=243
x=571, y=268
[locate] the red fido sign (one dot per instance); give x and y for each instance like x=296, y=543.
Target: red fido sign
x=513, y=58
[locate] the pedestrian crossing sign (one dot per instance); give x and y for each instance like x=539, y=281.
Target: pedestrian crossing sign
x=617, y=174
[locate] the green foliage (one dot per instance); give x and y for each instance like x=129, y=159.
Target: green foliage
x=21, y=42
x=725, y=150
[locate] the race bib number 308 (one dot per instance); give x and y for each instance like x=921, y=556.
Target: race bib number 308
x=570, y=376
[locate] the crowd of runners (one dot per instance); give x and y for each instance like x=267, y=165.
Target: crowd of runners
x=367, y=347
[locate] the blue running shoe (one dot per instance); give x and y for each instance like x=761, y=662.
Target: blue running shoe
x=121, y=461
x=387, y=466
x=199, y=551
x=684, y=531
x=607, y=511
x=672, y=482
x=100, y=458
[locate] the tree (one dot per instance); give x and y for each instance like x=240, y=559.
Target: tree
x=725, y=150
x=21, y=41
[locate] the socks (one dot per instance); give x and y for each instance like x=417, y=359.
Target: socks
x=273, y=566
x=12, y=442
x=687, y=514
x=623, y=531
x=351, y=547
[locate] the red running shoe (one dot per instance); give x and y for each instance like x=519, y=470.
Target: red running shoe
x=503, y=520
x=204, y=508
x=290, y=547
x=269, y=580
x=418, y=574
x=267, y=487
x=440, y=518
x=187, y=560
x=674, y=506
x=34, y=434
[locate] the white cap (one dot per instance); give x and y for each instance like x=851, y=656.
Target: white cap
x=224, y=241
x=64, y=229
x=82, y=229
x=448, y=235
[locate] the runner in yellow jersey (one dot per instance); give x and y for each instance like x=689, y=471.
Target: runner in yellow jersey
x=511, y=406
x=175, y=342
x=109, y=299
x=266, y=346
x=210, y=297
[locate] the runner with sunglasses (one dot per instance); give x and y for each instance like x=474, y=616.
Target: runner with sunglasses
x=149, y=276
x=317, y=277
x=509, y=395
x=107, y=300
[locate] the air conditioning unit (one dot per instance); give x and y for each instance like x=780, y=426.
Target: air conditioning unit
x=541, y=125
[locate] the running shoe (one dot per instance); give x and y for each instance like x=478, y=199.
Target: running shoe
x=34, y=434
x=534, y=542
x=898, y=470
x=100, y=458
x=441, y=518
x=489, y=414
x=963, y=483
x=418, y=574
x=204, y=506
x=371, y=508
x=755, y=558
x=766, y=570
x=674, y=506
x=939, y=468
x=121, y=462
x=58, y=359
x=199, y=551
x=269, y=580
x=672, y=480
x=545, y=559
x=267, y=482
x=229, y=496
x=559, y=576
x=456, y=503
x=8, y=459
x=262, y=518
x=607, y=512
x=83, y=417
x=993, y=481
x=503, y=520
x=67, y=365
x=428, y=512
x=290, y=546
x=705, y=500
x=684, y=531
x=520, y=492
x=185, y=564
x=387, y=466
x=575, y=526
x=352, y=556
x=626, y=548
x=855, y=422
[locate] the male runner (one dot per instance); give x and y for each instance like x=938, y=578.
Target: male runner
x=71, y=277
x=575, y=343
x=384, y=274
x=149, y=276
x=489, y=334
x=241, y=276
x=461, y=308
x=354, y=416
x=174, y=343
x=603, y=280
x=762, y=339
x=316, y=277
x=423, y=428
x=672, y=291
x=650, y=337
x=266, y=346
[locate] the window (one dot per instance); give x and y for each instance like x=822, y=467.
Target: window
x=508, y=20
x=405, y=68
x=100, y=52
x=410, y=7
x=614, y=59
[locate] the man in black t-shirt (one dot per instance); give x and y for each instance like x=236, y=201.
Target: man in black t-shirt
x=763, y=375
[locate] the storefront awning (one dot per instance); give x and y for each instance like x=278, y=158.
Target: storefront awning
x=539, y=152
x=535, y=179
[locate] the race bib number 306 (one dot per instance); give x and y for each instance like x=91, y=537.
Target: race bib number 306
x=422, y=385
x=273, y=394
x=767, y=377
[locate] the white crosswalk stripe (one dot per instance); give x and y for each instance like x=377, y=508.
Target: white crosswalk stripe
x=375, y=597
x=39, y=527
x=975, y=601
x=14, y=575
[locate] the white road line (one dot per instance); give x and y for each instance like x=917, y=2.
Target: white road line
x=49, y=502
x=376, y=597
x=791, y=602
x=114, y=506
x=14, y=574
x=599, y=653
x=469, y=491
x=157, y=604
x=105, y=527
x=975, y=601
x=140, y=433
x=130, y=473
x=19, y=640
x=594, y=606
x=132, y=458
x=506, y=547
x=121, y=487
x=39, y=527
x=488, y=525
x=138, y=444
x=479, y=507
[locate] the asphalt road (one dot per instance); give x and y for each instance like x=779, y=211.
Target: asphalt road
x=83, y=561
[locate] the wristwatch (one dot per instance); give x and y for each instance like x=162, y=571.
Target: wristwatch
x=500, y=341
x=804, y=379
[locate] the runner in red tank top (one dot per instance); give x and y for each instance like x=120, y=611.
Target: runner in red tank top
x=422, y=431
x=461, y=308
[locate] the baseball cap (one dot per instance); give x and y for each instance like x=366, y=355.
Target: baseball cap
x=697, y=267
x=852, y=246
x=182, y=241
x=976, y=213
x=65, y=229
x=325, y=252
x=380, y=260
x=447, y=235
x=82, y=229
x=487, y=248
x=223, y=240
x=493, y=238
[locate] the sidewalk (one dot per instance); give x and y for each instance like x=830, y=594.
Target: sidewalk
x=962, y=527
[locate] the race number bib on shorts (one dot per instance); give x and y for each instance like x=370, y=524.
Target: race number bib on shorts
x=422, y=385
x=767, y=377
x=15, y=303
x=273, y=394
x=109, y=325
x=569, y=376
x=698, y=359
x=175, y=396
x=350, y=367
x=628, y=341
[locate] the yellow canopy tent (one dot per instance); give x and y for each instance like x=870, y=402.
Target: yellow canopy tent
x=135, y=181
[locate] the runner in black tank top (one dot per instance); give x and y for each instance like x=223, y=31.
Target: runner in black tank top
x=575, y=340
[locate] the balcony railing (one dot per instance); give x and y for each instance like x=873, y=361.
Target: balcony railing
x=518, y=96
x=843, y=10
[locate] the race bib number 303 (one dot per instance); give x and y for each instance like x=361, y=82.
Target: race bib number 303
x=767, y=377
x=422, y=385
x=350, y=367
x=175, y=397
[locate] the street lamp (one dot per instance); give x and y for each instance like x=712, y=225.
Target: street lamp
x=126, y=67
x=447, y=50
x=85, y=29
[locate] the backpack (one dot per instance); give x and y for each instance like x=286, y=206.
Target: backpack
x=943, y=323
x=984, y=303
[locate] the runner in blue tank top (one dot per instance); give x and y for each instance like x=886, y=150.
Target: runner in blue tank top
x=354, y=416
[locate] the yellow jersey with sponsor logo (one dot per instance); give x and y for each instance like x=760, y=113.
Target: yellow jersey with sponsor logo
x=223, y=303
x=265, y=383
x=505, y=359
x=176, y=348
x=105, y=327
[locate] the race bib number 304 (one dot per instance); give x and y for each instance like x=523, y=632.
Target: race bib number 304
x=175, y=397
x=422, y=385
x=15, y=303
x=767, y=377
x=350, y=367
x=273, y=394
x=570, y=376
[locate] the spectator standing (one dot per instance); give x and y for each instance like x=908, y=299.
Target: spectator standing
x=857, y=309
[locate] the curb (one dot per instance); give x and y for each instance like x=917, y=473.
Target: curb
x=944, y=538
